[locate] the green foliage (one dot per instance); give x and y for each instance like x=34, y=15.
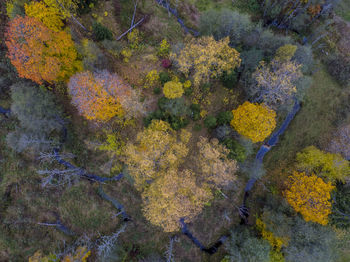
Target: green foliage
x=164, y=77
x=237, y=151
x=340, y=216
x=244, y=246
x=195, y=111
x=173, y=111
x=197, y=127
x=157, y=90
x=307, y=242
x=101, y=32
x=229, y=79
x=210, y=122
x=37, y=113
x=224, y=118
x=84, y=6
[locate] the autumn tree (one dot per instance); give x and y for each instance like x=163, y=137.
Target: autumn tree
x=157, y=149
x=310, y=196
x=206, y=58
x=216, y=168
x=102, y=95
x=275, y=82
x=330, y=166
x=39, y=53
x=254, y=121
x=172, y=196
x=173, y=89
x=50, y=16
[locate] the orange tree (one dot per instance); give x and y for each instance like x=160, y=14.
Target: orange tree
x=39, y=53
x=310, y=196
x=102, y=95
x=254, y=121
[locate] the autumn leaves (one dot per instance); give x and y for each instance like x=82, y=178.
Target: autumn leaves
x=170, y=189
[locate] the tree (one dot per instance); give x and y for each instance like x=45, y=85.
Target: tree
x=157, y=148
x=216, y=168
x=39, y=53
x=102, y=95
x=51, y=17
x=206, y=58
x=37, y=113
x=173, y=89
x=244, y=246
x=330, y=166
x=275, y=82
x=310, y=196
x=254, y=121
x=341, y=141
x=340, y=216
x=174, y=195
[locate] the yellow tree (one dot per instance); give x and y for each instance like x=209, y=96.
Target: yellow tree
x=157, y=149
x=172, y=196
x=310, y=196
x=206, y=58
x=212, y=160
x=254, y=121
x=173, y=89
x=331, y=166
x=50, y=16
x=102, y=95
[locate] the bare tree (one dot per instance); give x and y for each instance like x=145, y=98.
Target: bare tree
x=106, y=243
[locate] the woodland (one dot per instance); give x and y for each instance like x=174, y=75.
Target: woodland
x=175, y=130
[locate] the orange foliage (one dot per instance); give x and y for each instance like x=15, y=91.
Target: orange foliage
x=102, y=95
x=310, y=196
x=38, y=53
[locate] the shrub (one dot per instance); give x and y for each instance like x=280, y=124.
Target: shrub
x=237, y=151
x=164, y=49
x=210, y=122
x=195, y=112
x=157, y=90
x=229, y=79
x=152, y=79
x=339, y=67
x=164, y=77
x=197, y=127
x=101, y=32
x=166, y=63
x=222, y=132
x=224, y=117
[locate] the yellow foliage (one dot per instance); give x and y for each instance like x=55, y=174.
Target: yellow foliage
x=275, y=242
x=173, y=90
x=163, y=50
x=310, y=196
x=207, y=58
x=212, y=160
x=134, y=39
x=331, y=166
x=172, y=196
x=65, y=7
x=157, y=149
x=152, y=79
x=285, y=52
x=126, y=53
x=187, y=84
x=254, y=121
x=48, y=15
x=114, y=144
